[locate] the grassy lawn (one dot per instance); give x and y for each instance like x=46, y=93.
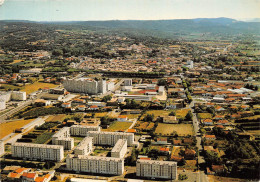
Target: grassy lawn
x=7, y=128
x=54, y=118
x=204, y=115
x=181, y=129
x=36, y=86
x=118, y=125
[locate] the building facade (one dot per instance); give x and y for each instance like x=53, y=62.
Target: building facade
x=156, y=169
x=2, y=147
x=110, y=138
x=120, y=149
x=85, y=147
x=95, y=164
x=38, y=151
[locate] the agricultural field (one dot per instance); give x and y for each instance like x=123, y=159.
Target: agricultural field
x=181, y=113
x=204, y=116
x=36, y=86
x=118, y=125
x=8, y=128
x=157, y=113
x=100, y=114
x=168, y=129
x=133, y=116
x=54, y=118
x=43, y=138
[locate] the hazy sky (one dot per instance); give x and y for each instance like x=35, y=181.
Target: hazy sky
x=65, y=10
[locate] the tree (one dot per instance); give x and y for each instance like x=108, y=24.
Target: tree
x=149, y=117
x=189, y=116
x=173, y=113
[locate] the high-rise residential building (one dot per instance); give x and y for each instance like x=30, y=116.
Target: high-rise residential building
x=38, y=151
x=84, y=147
x=62, y=137
x=156, y=169
x=2, y=147
x=110, y=138
x=128, y=82
x=85, y=85
x=82, y=130
x=95, y=164
x=120, y=149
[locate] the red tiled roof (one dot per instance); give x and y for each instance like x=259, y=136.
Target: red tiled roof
x=122, y=116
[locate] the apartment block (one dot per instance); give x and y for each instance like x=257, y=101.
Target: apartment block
x=62, y=137
x=38, y=151
x=67, y=143
x=85, y=85
x=156, y=169
x=2, y=147
x=128, y=82
x=95, y=164
x=120, y=149
x=80, y=130
x=110, y=138
x=85, y=147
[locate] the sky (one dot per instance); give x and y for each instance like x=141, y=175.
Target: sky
x=83, y=10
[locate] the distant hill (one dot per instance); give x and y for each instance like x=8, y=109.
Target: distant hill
x=183, y=26
x=208, y=27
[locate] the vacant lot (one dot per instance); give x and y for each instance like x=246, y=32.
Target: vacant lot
x=7, y=128
x=117, y=125
x=55, y=118
x=36, y=86
x=181, y=129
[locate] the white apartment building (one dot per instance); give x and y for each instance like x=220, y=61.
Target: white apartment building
x=128, y=82
x=85, y=147
x=85, y=85
x=95, y=164
x=156, y=169
x=62, y=137
x=120, y=149
x=110, y=138
x=2, y=104
x=14, y=95
x=81, y=130
x=67, y=143
x=37, y=151
x=2, y=147
x=18, y=95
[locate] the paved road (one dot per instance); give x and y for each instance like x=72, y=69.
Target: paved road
x=202, y=176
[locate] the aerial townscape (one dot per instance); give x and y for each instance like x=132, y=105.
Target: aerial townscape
x=130, y=100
